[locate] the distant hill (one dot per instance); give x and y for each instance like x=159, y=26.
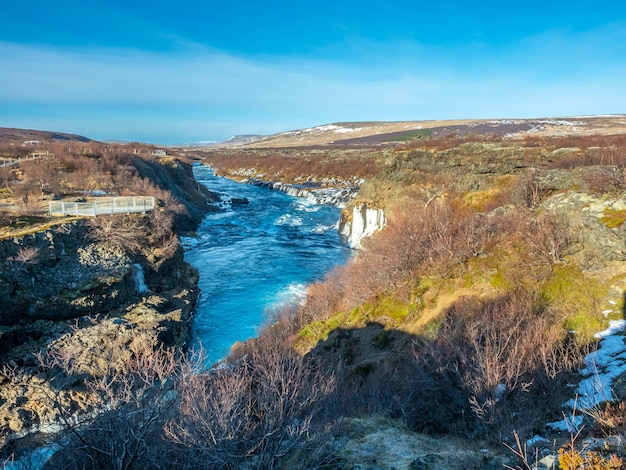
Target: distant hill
x=8, y=134
x=373, y=133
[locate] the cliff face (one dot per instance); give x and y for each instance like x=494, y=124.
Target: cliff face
x=57, y=274
x=74, y=290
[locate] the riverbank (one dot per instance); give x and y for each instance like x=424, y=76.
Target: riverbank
x=93, y=292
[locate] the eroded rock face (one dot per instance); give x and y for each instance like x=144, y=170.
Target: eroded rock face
x=80, y=299
x=593, y=225
x=59, y=274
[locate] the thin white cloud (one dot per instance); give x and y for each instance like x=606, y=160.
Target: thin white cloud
x=557, y=73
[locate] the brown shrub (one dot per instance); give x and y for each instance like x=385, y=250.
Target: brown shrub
x=291, y=165
x=127, y=232
x=128, y=409
x=260, y=407
x=496, y=366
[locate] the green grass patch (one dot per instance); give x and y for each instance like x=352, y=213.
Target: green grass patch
x=319, y=330
x=392, y=311
x=613, y=218
x=387, y=310
x=411, y=135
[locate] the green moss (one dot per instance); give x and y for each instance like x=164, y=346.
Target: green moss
x=576, y=298
x=319, y=330
x=613, y=218
x=387, y=310
x=391, y=310
x=498, y=280
x=584, y=326
x=424, y=286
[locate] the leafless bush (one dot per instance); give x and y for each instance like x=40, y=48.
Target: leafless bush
x=127, y=407
x=289, y=165
x=528, y=190
x=27, y=255
x=259, y=408
x=126, y=232
x=548, y=235
x=495, y=361
x=44, y=172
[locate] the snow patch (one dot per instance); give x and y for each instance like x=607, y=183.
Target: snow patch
x=602, y=366
x=321, y=129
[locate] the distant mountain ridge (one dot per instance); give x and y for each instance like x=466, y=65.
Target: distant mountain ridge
x=8, y=134
x=380, y=132
x=374, y=132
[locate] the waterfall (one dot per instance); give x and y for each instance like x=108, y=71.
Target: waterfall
x=140, y=285
x=365, y=221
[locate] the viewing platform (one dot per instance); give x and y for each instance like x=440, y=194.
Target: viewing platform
x=102, y=206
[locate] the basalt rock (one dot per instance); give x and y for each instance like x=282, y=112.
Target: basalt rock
x=58, y=274
x=29, y=399
x=318, y=193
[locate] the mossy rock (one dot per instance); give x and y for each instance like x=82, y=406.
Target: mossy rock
x=578, y=299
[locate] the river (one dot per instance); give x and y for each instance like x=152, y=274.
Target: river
x=254, y=257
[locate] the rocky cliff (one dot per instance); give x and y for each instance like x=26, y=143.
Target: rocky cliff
x=93, y=291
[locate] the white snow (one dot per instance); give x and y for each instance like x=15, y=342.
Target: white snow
x=536, y=441
x=615, y=326
x=567, y=424
x=320, y=129
x=558, y=122
x=35, y=460
x=602, y=366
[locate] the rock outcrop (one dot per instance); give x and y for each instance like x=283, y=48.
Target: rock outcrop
x=332, y=196
x=72, y=293
x=58, y=274
x=81, y=298
x=594, y=225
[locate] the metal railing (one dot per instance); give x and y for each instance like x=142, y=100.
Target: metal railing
x=17, y=161
x=113, y=205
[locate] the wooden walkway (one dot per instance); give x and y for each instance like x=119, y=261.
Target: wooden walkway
x=102, y=206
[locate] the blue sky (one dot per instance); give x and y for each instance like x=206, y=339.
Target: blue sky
x=171, y=72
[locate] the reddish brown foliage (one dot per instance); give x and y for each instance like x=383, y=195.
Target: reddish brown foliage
x=295, y=166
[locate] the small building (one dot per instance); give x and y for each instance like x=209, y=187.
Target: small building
x=159, y=153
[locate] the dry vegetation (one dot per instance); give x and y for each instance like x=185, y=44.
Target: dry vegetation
x=454, y=319
x=74, y=171
x=297, y=165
